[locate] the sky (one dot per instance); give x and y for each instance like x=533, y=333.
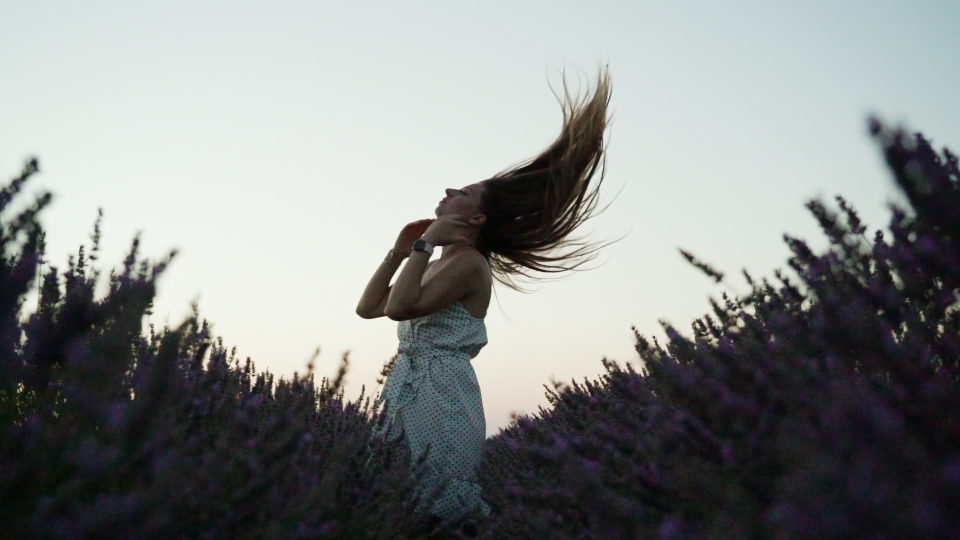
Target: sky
x=281, y=146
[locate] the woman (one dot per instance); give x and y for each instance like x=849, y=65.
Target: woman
x=514, y=224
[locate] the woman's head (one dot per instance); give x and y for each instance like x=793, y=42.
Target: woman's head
x=531, y=209
x=464, y=204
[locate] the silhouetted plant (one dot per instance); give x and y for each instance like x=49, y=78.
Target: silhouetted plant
x=823, y=406
x=107, y=432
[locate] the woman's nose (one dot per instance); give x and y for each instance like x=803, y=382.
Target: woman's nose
x=450, y=192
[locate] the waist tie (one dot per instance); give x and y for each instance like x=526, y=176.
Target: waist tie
x=409, y=371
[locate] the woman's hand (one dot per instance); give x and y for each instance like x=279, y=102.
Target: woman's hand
x=409, y=234
x=445, y=231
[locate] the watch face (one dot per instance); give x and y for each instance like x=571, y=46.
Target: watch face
x=422, y=245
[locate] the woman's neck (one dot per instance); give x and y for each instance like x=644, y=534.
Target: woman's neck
x=453, y=249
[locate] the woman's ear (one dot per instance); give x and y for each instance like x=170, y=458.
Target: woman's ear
x=478, y=219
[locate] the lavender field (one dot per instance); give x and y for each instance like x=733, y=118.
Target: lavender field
x=824, y=403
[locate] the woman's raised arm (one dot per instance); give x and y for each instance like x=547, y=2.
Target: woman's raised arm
x=374, y=297
x=451, y=282
x=455, y=279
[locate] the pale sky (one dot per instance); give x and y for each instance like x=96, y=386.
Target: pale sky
x=280, y=146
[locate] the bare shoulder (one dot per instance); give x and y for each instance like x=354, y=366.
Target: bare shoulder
x=477, y=269
x=464, y=264
x=473, y=261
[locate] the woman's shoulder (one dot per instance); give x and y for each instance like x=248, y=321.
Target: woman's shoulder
x=465, y=259
x=473, y=262
x=463, y=263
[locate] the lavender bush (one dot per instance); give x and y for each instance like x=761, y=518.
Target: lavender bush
x=819, y=406
x=107, y=432
x=822, y=405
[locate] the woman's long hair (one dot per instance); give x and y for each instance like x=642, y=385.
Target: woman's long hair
x=533, y=207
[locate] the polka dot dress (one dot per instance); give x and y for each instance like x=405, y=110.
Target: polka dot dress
x=433, y=397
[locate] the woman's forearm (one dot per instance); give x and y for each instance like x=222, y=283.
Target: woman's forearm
x=374, y=296
x=406, y=291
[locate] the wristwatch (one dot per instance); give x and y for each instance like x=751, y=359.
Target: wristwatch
x=422, y=245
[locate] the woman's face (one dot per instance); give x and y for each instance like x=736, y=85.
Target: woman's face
x=463, y=203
